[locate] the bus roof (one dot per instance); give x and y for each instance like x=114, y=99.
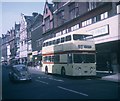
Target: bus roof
x=64, y=35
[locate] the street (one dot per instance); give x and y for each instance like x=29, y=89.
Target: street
x=56, y=87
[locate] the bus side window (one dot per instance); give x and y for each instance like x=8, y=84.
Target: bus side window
x=45, y=58
x=49, y=58
x=68, y=38
x=69, y=58
x=52, y=58
x=57, y=58
x=54, y=42
x=50, y=42
x=62, y=40
x=58, y=41
x=46, y=43
x=43, y=44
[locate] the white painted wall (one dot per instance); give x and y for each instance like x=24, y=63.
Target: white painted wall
x=113, y=30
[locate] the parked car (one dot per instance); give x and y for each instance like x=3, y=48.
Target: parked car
x=19, y=73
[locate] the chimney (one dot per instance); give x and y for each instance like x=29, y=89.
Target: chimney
x=34, y=14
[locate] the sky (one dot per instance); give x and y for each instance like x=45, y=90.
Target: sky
x=0, y=18
x=11, y=11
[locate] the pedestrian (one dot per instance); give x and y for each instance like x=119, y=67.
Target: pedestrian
x=108, y=66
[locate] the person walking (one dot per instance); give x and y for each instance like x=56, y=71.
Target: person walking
x=108, y=66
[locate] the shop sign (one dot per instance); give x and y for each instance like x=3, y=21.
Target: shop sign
x=99, y=31
x=84, y=46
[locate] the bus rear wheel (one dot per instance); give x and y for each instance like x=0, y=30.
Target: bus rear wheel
x=63, y=71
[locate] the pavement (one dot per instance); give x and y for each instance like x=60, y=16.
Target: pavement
x=104, y=75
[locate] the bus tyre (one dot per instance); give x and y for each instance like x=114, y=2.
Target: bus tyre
x=63, y=71
x=46, y=70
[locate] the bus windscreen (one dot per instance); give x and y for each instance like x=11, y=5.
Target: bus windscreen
x=82, y=37
x=84, y=58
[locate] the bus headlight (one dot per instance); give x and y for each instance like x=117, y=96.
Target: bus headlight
x=91, y=68
x=79, y=68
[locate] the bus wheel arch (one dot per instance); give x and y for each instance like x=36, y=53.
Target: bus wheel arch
x=63, y=72
x=46, y=70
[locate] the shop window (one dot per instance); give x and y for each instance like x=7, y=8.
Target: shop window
x=94, y=19
x=118, y=9
x=73, y=10
x=59, y=33
x=104, y=15
x=86, y=22
x=91, y=4
x=64, y=31
x=74, y=27
x=89, y=21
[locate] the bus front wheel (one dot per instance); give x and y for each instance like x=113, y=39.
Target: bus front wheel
x=63, y=71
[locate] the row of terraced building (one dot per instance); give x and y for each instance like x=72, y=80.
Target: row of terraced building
x=102, y=19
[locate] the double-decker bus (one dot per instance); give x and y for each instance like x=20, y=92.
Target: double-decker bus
x=69, y=54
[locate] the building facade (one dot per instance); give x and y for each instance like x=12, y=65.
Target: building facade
x=17, y=41
x=37, y=40
x=29, y=20
x=12, y=43
x=48, y=23
x=23, y=39
x=4, y=47
x=0, y=50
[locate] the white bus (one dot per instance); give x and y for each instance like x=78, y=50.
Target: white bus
x=69, y=54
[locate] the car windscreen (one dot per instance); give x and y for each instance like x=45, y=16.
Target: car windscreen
x=21, y=68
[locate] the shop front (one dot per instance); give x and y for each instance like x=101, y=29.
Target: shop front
x=107, y=53
x=36, y=59
x=29, y=58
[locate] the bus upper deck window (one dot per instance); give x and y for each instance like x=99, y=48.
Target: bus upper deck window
x=43, y=44
x=62, y=40
x=78, y=37
x=68, y=38
x=50, y=42
x=46, y=43
x=58, y=41
x=54, y=42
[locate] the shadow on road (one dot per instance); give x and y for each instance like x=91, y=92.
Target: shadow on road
x=75, y=77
